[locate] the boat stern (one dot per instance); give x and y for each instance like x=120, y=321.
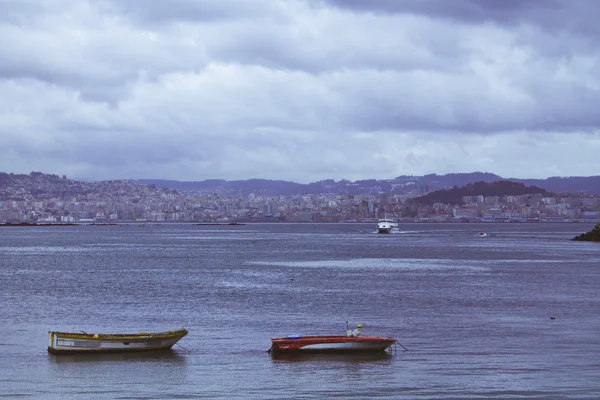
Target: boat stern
x=51, y=341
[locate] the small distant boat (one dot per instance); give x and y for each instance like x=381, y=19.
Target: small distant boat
x=386, y=225
x=482, y=234
x=73, y=342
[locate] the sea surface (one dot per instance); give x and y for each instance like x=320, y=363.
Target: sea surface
x=515, y=314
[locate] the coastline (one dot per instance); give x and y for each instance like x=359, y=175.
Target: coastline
x=196, y=223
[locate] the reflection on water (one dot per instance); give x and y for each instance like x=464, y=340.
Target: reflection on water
x=379, y=263
x=167, y=356
x=331, y=357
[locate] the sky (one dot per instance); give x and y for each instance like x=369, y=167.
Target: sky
x=299, y=90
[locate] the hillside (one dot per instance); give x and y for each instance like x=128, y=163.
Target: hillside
x=591, y=236
x=39, y=185
x=401, y=185
x=499, y=188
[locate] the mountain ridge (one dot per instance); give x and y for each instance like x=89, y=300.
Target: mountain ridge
x=402, y=184
x=410, y=185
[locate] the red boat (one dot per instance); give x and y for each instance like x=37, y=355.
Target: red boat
x=303, y=344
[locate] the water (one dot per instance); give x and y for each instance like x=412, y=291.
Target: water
x=475, y=313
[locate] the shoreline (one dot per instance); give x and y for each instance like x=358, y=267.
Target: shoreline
x=195, y=223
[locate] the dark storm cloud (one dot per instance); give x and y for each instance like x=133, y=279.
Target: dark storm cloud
x=466, y=10
x=461, y=9
x=555, y=36
x=575, y=16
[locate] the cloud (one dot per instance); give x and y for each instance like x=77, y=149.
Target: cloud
x=544, y=13
x=298, y=90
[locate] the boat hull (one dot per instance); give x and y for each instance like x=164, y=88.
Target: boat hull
x=70, y=343
x=334, y=344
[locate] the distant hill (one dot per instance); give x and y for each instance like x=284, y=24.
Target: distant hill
x=571, y=184
x=40, y=185
x=499, y=188
x=37, y=185
x=435, y=181
x=404, y=184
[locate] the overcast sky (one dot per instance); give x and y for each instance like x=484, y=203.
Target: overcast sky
x=299, y=90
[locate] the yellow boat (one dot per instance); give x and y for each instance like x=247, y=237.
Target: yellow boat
x=73, y=342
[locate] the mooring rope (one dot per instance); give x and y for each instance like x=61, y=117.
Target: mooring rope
x=405, y=349
x=189, y=352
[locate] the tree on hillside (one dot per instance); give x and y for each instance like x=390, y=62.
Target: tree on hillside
x=499, y=188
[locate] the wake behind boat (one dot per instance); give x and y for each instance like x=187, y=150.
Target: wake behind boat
x=73, y=342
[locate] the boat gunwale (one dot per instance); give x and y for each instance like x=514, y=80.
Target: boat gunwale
x=137, y=337
x=332, y=339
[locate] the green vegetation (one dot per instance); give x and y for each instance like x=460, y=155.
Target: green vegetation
x=591, y=236
x=499, y=188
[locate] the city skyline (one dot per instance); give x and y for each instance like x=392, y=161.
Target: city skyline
x=40, y=198
x=299, y=91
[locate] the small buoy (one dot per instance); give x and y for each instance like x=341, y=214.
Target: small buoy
x=96, y=336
